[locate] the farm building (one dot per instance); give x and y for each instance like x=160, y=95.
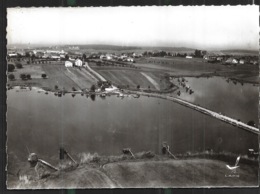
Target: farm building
x=78, y=63
x=232, y=61
x=241, y=61
x=68, y=64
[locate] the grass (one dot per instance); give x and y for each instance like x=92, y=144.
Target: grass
x=177, y=66
x=57, y=74
x=126, y=77
x=146, y=170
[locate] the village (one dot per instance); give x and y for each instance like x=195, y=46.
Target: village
x=132, y=97
x=73, y=53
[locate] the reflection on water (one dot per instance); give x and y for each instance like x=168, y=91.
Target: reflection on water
x=43, y=122
x=231, y=98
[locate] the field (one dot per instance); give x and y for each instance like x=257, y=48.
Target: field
x=150, y=73
x=57, y=74
x=197, y=67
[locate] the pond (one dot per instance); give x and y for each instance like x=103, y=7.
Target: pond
x=231, y=98
x=106, y=126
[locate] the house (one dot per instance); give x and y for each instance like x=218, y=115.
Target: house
x=220, y=58
x=78, y=63
x=130, y=59
x=188, y=57
x=68, y=64
x=232, y=61
x=241, y=61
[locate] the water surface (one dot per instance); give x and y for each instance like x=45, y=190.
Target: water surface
x=44, y=122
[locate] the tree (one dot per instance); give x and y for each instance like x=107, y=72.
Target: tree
x=33, y=57
x=251, y=123
x=19, y=65
x=74, y=89
x=10, y=67
x=28, y=76
x=93, y=88
x=138, y=86
x=67, y=57
x=99, y=83
x=44, y=75
x=56, y=87
x=23, y=76
x=198, y=53
x=84, y=56
x=11, y=77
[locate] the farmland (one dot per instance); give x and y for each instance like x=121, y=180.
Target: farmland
x=57, y=75
x=148, y=73
x=197, y=67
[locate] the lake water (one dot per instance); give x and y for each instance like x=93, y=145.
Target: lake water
x=232, y=99
x=44, y=122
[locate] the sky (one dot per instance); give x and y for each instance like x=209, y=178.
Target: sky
x=201, y=27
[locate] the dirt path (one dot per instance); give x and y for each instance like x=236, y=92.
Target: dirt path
x=94, y=72
x=155, y=84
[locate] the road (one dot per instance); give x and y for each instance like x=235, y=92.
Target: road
x=211, y=113
x=205, y=111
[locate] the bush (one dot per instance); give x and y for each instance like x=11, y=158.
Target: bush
x=10, y=67
x=19, y=66
x=56, y=87
x=93, y=88
x=251, y=123
x=44, y=75
x=23, y=76
x=28, y=76
x=11, y=77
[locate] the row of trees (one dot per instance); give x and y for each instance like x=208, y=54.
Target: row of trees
x=11, y=67
x=24, y=76
x=197, y=53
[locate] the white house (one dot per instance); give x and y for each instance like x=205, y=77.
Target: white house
x=232, y=61
x=188, y=57
x=78, y=63
x=68, y=64
x=241, y=61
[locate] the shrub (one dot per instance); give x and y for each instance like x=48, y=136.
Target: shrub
x=56, y=87
x=138, y=86
x=74, y=89
x=23, y=76
x=11, y=77
x=19, y=65
x=10, y=67
x=251, y=123
x=28, y=76
x=44, y=75
x=93, y=88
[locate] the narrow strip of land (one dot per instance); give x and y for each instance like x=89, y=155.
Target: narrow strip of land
x=219, y=116
x=155, y=84
x=94, y=72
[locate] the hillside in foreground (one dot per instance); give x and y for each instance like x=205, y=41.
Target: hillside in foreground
x=156, y=172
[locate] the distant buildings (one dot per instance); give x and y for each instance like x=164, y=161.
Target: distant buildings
x=68, y=64
x=78, y=63
x=231, y=60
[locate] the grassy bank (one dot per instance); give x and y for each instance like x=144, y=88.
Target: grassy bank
x=147, y=170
